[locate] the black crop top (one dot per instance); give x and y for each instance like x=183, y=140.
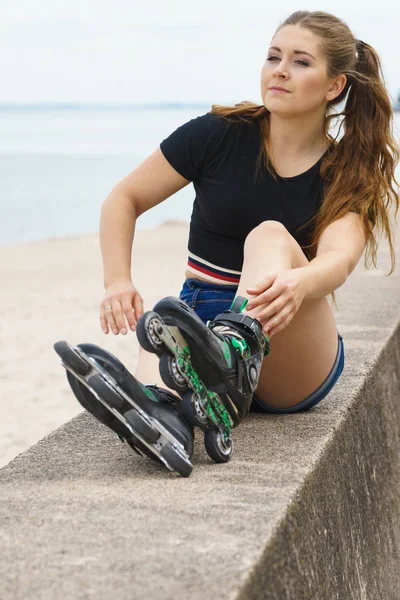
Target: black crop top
x=219, y=157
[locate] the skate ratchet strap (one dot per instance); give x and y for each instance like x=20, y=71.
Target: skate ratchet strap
x=248, y=371
x=249, y=323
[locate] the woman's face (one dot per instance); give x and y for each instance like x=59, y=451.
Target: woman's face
x=296, y=63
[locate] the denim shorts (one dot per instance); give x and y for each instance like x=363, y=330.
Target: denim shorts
x=210, y=299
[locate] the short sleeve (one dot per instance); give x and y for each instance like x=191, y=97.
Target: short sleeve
x=189, y=146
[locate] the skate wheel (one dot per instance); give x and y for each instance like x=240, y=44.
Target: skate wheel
x=176, y=461
x=104, y=359
x=141, y=426
x=192, y=411
x=88, y=401
x=142, y=450
x=106, y=392
x=217, y=449
x=147, y=332
x=171, y=375
x=71, y=357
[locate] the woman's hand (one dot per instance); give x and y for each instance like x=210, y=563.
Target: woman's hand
x=122, y=301
x=279, y=297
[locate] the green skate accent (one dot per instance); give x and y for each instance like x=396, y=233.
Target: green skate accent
x=150, y=394
x=222, y=412
x=183, y=359
x=214, y=408
x=241, y=344
x=267, y=346
x=243, y=305
x=227, y=354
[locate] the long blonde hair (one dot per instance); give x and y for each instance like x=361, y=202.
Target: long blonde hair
x=359, y=171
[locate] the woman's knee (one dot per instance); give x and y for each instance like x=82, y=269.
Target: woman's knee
x=267, y=228
x=274, y=227
x=276, y=234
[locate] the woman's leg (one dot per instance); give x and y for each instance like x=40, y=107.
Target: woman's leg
x=303, y=354
x=147, y=371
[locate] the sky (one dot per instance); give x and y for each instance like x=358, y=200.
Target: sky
x=208, y=51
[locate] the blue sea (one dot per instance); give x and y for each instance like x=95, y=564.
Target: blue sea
x=58, y=164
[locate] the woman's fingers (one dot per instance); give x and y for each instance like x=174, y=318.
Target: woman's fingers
x=103, y=320
x=279, y=321
x=265, y=297
x=119, y=317
x=129, y=313
x=107, y=319
x=138, y=305
x=272, y=309
x=261, y=285
x=117, y=309
x=109, y=311
x=276, y=327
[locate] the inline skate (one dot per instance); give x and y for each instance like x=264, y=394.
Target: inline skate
x=215, y=367
x=147, y=417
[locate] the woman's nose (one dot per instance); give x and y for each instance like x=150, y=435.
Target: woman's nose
x=281, y=69
x=280, y=72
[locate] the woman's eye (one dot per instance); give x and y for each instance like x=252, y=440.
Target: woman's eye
x=300, y=62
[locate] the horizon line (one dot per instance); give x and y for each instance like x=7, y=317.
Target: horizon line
x=98, y=105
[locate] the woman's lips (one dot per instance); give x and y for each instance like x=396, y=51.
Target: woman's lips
x=278, y=90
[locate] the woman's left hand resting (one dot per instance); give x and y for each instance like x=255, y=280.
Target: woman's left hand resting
x=278, y=296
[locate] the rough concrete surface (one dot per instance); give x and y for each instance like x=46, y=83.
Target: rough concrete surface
x=308, y=507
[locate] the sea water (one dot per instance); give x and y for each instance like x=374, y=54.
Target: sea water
x=57, y=166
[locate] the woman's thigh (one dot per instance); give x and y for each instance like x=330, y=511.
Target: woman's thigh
x=301, y=357
x=315, y=397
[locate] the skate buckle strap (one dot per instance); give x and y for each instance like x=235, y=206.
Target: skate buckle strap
x=252, y=367
x=249, y=323
x=163, y=394
x=248, y=370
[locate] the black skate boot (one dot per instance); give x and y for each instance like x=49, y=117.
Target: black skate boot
x=147, y=417
x=214, y=367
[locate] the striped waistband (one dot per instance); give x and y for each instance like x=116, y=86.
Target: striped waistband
x=212, y=272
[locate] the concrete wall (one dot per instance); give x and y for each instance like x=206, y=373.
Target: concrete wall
x=341, y=534
x=308, y=508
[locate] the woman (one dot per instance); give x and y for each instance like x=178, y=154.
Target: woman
x=282, y=215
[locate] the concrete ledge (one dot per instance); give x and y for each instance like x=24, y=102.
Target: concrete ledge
x=307, y=508
x=340, y=537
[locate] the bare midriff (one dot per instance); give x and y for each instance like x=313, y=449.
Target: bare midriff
x=190, y=275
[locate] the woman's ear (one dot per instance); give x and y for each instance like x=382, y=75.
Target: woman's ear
x=336, y=87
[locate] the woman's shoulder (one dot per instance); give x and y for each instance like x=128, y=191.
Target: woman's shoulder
x=200, y=128
x=209, y=121
x=208, y=128
x=217, y=121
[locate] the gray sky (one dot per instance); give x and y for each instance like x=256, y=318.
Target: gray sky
x=161, y=50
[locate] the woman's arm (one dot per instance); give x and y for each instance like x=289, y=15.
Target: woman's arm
x=339, y=250
x=152, y=182
x=117, y=228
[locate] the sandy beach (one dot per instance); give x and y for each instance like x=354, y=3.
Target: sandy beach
x=51, y=291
